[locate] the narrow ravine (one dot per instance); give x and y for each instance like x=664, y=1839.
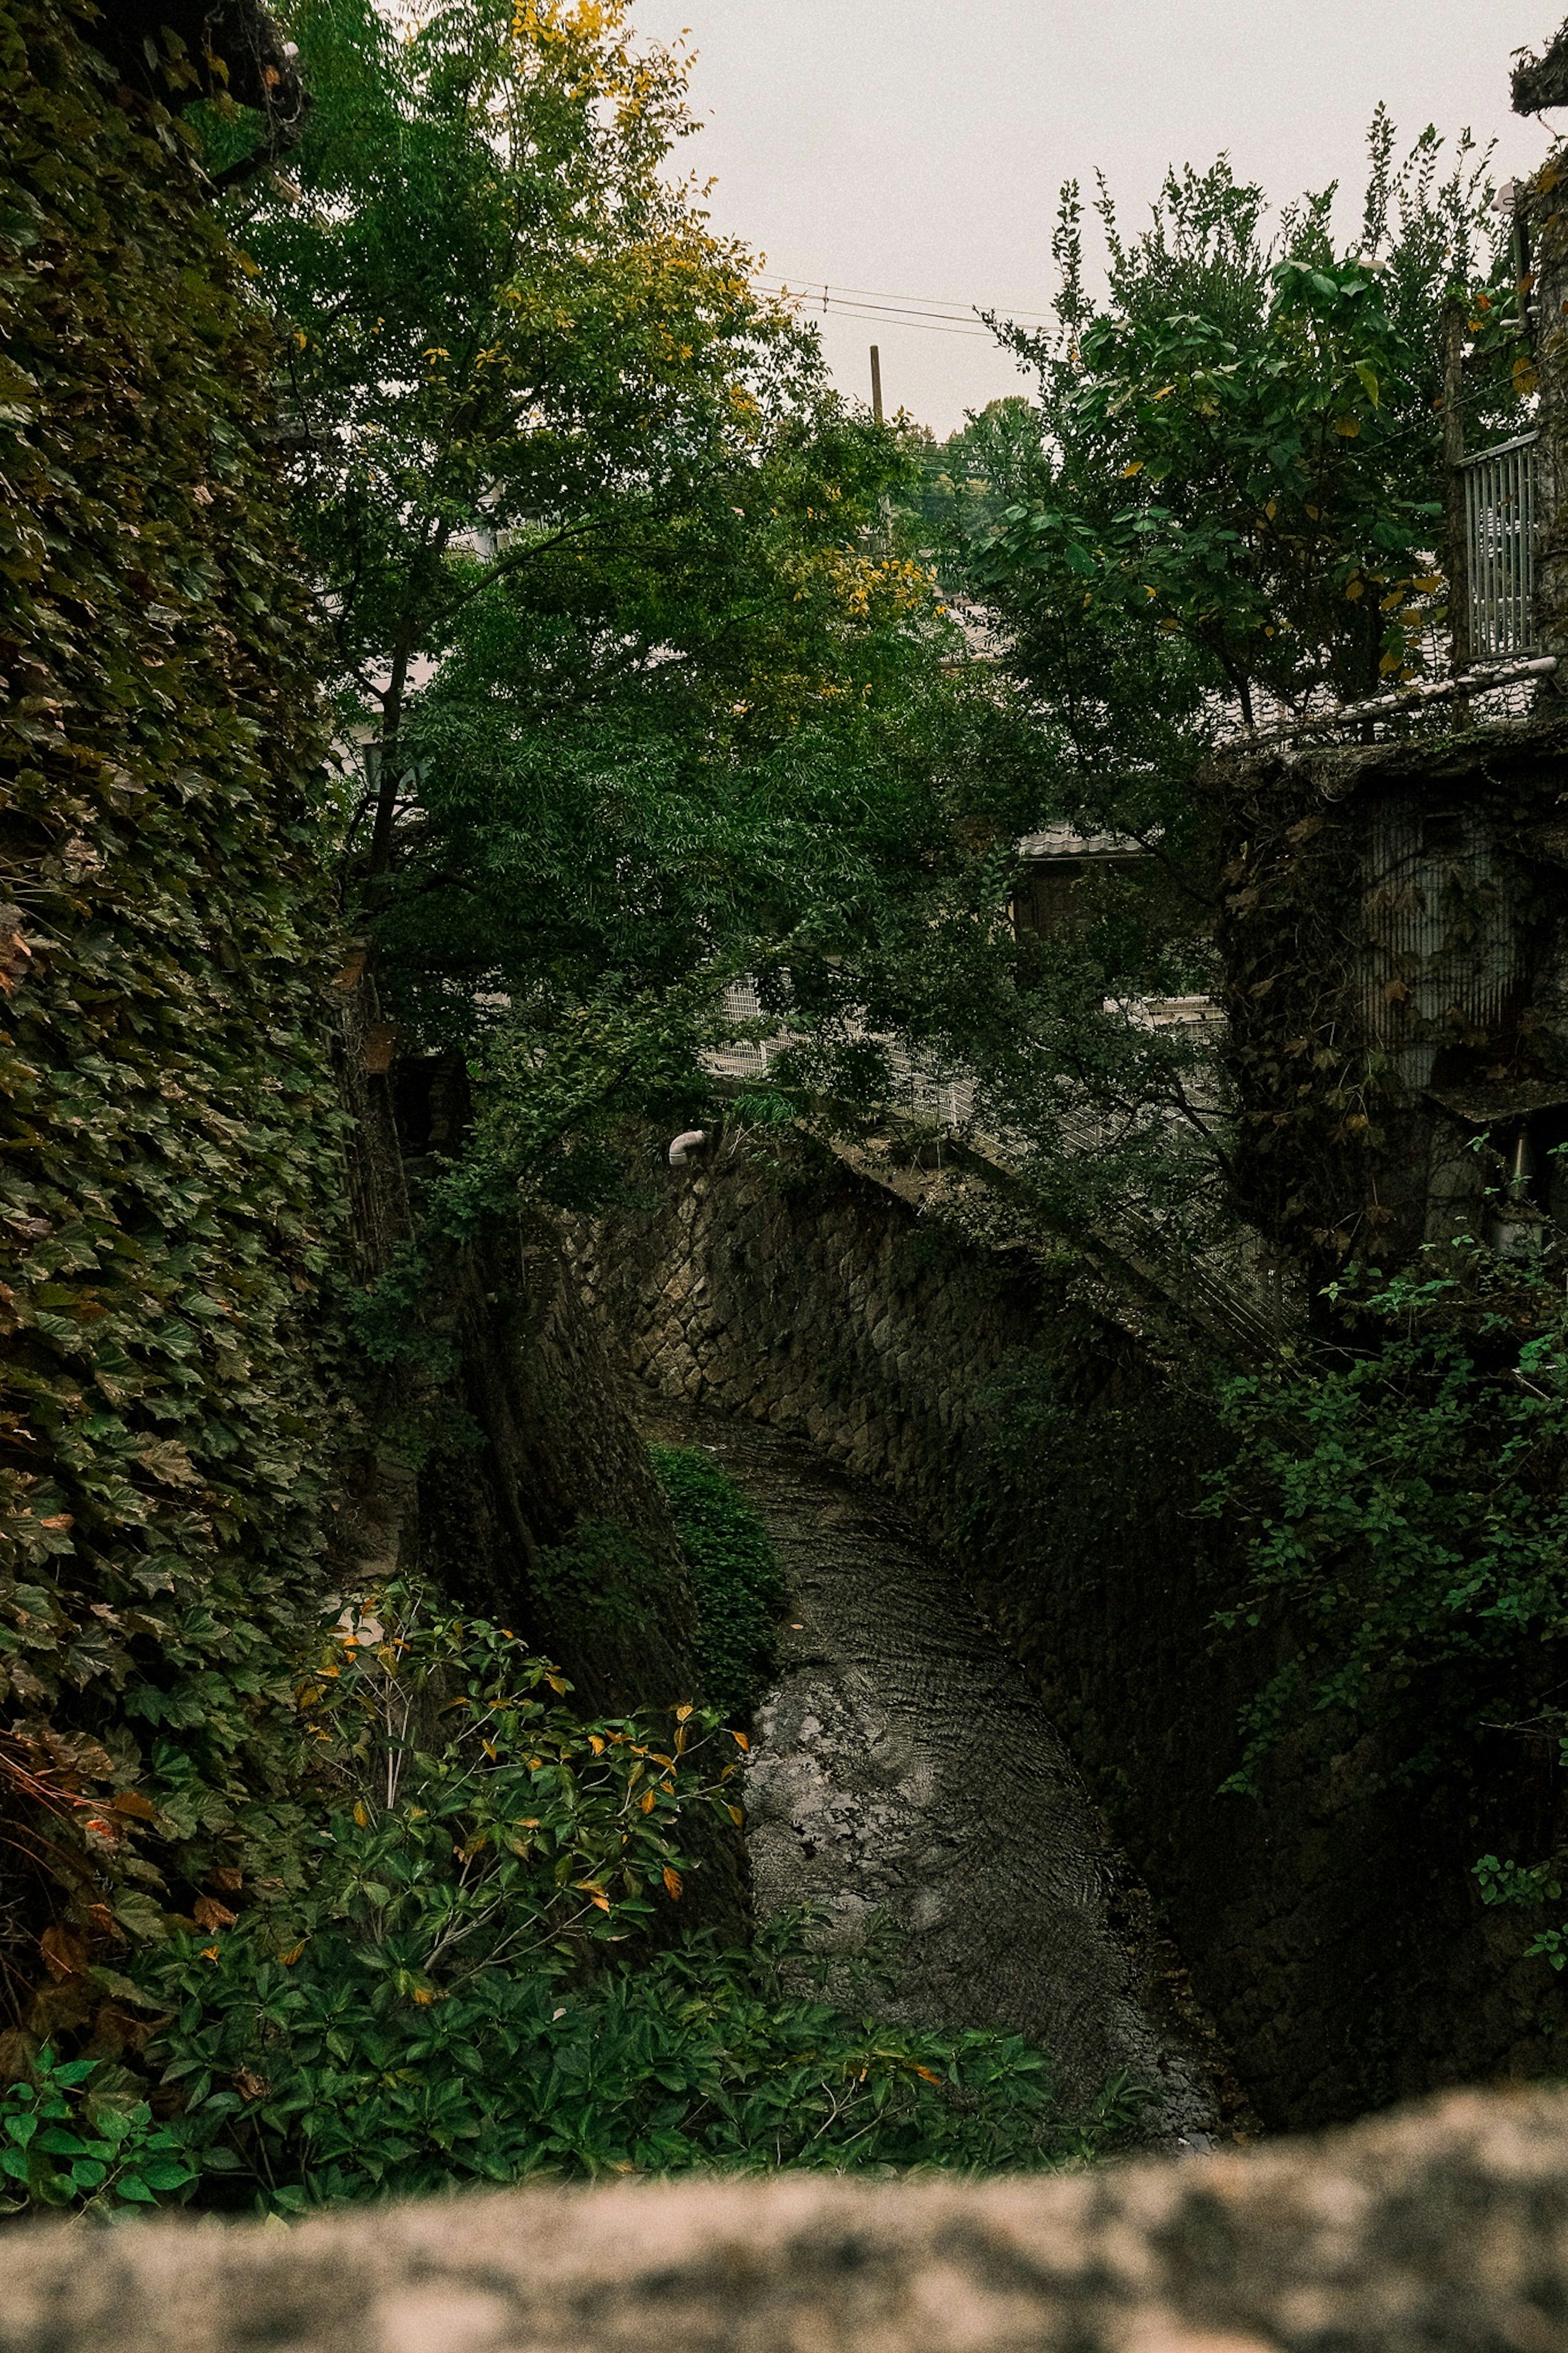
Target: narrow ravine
x=902, y=1766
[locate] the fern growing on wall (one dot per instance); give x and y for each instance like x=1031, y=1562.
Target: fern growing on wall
x=734, y=1577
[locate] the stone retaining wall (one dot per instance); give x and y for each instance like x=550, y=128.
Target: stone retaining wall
x=1047, y=1429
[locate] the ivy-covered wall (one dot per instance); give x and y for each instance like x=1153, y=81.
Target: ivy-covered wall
x=170, y=1159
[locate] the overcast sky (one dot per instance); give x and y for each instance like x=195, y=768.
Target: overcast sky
x=913, y=148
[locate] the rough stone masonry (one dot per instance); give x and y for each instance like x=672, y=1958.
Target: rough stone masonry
x=907, y=1326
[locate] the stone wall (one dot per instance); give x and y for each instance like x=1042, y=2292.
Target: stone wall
x=1441, y=2231
x=1055, y=1434
x=545, y=1512
x=534, y=1500
x=1395, y=961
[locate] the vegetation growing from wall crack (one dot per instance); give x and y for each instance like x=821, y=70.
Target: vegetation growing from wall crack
x=735, y=1579
x=1403, y=1498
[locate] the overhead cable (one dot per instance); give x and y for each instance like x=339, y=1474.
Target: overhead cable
x=925, y=313
x=809, y=303
x=953, y=305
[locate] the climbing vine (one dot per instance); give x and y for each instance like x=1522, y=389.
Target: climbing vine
x=169, y=1148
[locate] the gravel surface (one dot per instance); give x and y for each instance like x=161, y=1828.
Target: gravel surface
x=901, y=1766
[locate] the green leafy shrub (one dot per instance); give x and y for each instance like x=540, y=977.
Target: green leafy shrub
x=462, y=1988
x=71, y=2135
x=475, y=1843
x=697, y=2057
x=1406, y=1508
x=734, y=1577
x=1406, y=1513
x=1528, y=1885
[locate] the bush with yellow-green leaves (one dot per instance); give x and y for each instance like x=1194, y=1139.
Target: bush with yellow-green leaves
x=478, y=1973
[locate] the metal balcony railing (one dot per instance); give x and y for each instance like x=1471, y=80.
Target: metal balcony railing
x=1503, y=504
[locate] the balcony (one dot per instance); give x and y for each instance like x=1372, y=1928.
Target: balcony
x=1502, y=505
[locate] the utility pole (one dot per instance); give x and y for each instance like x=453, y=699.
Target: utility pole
x=876, y=383
x=1454, y=489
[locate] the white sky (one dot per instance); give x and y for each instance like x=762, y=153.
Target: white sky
x=914, y=147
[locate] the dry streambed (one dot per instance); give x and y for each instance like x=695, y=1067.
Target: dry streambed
x=901, y=1766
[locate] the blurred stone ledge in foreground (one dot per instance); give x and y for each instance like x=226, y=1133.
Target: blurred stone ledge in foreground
x=1440, y=2227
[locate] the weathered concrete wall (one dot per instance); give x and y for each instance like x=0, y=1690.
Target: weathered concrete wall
x=1440, y=2232
x=1011, y=1401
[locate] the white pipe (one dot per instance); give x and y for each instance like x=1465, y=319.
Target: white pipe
x=681, y=1150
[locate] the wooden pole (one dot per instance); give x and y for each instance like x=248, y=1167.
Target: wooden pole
x=1454, y=487
x=876, y=383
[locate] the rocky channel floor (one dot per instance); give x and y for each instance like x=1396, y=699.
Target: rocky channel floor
x=902, y=1767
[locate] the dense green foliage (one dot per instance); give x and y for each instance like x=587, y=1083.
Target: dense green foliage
x=1225, y=500
x=1242, y=448
x=170, y=1157
x=442, y=1994
x=645, y=709
x=1407, y=1499
x=1402, y=1497
x=648, y=691
x=68, y=2138
x=734, y=1578
x=699, y=2057
x=647, y=702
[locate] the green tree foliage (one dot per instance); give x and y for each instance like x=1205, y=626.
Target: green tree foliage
x=519, y=355
x=1242, y=448
x=169, y=1155
x=644, y=702
x=1227, y=498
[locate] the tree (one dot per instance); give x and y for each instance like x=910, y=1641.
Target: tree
x=514, y=340
x=1243, y=448
x=1225, y=502
x=644, y=704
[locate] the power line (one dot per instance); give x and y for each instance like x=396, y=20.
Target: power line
x=932, y=314
x=936, y=303
x=829, y=300
x=916, y=326
x=934, y=323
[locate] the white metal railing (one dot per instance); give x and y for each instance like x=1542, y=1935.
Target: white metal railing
x=1502, y=509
